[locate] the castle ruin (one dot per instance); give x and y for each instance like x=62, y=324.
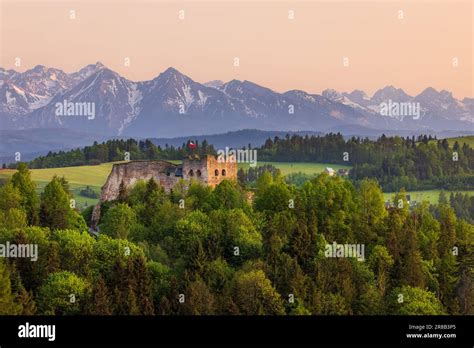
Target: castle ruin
x=207, y=171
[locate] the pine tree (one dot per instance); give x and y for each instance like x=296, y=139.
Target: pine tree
x=465, y=292
x=120, y=307
x=411, y=264
x=131, y=300
x=381, y=262
x=27, y=188
x=303, y=242
x=442, y=199
x=143, y=288
x=200, y=300
x=24, y=267
x=24, y=298
x=53, y=257
x=448, y=266
x=100, y=299
x=10, y=197
x=7, y=300
x=126, y=301
x=165, y=306
x=55, y=211
x=27, y=302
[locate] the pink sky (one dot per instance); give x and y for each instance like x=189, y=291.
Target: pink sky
x=304, y=53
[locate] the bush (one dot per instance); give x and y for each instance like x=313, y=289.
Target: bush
x=88, y=192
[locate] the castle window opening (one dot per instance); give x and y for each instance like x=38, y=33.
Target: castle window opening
x=191, y=173
x=216, y=172
x=198, y=173
x=223, y=172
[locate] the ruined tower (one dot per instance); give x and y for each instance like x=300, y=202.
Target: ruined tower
x=208, y=170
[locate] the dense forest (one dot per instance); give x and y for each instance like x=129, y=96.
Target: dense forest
x=463, y=205
x=203, y=251
x=413, y=164
x=396, y=162
x=117, y=150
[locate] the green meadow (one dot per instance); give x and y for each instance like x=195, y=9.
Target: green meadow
x=469, y=140
x=78, y=178
x=296, y=167
x=428, y=195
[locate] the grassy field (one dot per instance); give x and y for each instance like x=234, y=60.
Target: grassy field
x=468, y=140
x=81, y=201
x=95, y=177
x=428, y=195
x=295, y=167
x=78, y=178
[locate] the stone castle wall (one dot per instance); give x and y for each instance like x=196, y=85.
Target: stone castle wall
x=131, y=172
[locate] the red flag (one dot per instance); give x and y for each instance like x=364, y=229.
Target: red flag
x=192, y=145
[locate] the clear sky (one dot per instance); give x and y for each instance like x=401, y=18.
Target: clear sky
x=304, y=53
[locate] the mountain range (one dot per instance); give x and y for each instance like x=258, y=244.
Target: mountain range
x=173, y=105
